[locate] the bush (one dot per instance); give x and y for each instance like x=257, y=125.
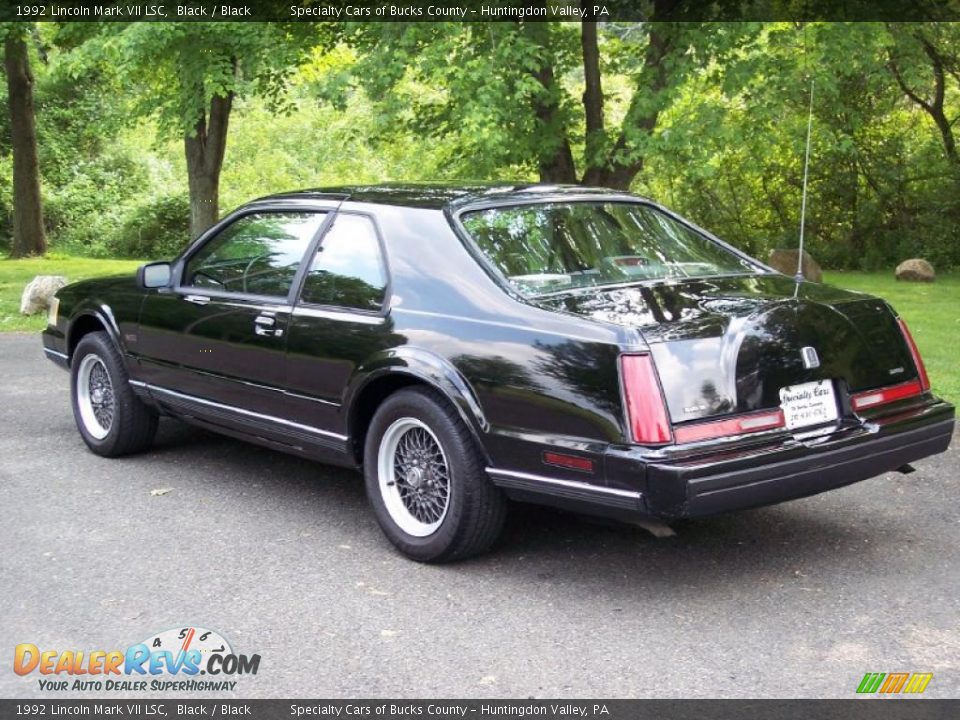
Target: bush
x=85, y=209
x=158, y=228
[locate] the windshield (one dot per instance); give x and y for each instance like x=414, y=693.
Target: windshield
x=557, y=246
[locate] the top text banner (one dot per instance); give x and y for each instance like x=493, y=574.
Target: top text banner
x=478, y=10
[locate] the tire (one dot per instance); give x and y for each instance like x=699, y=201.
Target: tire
x=111, y=419
x=424, y=522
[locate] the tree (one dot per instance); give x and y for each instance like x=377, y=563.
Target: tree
x=923, y=59
x=28, y=232
x=506, y=90
x=189, y=76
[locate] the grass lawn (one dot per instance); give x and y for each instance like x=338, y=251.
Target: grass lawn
x=931, y=310
x=15, y=274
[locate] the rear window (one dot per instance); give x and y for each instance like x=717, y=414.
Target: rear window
x=551, y=247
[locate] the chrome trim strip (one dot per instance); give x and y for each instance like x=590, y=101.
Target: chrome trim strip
x=342, y=315
x=240, y=411
x=137, y=383
x=496, y=323
x=565, y=483
x=62, y=356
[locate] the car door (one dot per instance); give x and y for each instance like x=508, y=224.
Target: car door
x=339, y=320
x=214, y=345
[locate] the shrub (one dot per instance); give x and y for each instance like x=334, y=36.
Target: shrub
x=158, y=228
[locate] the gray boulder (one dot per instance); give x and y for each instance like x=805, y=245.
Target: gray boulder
x=38, y=293
x=915, y=270
x=785, y=261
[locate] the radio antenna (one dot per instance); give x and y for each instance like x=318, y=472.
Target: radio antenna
x=803, y=203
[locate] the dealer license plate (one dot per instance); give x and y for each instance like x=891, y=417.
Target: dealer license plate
x=812, y=403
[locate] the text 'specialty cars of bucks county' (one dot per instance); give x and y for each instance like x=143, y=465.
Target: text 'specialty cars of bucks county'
x=576, y=347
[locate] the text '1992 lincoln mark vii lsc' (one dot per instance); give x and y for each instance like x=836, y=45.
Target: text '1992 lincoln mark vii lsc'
x=464, y=346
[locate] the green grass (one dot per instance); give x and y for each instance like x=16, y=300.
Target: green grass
x=931, y=310
x=15, y=274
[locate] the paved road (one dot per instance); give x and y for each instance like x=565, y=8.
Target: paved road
x=283, y=557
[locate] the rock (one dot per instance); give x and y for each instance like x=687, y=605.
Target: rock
x=916, y=270
x=785, y=261
x=39, y=292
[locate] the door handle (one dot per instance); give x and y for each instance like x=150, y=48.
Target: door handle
x=197, y=299
x=265, y=324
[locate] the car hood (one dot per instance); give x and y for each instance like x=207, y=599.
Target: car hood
x=724, y=345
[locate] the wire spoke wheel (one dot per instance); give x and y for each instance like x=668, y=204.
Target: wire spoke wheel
x=95, y=397
x=414, y=477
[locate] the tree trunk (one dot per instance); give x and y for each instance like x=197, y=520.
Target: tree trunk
x=935, y=106
x=620, y=167
x=593, y=90
x=28, y=233
x=555, y=158
x=205, y=150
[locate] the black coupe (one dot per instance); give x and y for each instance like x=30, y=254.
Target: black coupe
x=464, y=345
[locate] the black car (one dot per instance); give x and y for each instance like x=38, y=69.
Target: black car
x=578, y=347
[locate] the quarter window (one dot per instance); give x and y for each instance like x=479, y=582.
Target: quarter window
x=259, y=254
x=347, y=270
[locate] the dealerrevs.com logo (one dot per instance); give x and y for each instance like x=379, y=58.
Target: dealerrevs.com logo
x=171, y=660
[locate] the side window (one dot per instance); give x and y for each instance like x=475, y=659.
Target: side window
x=258, y=254
x=347, y=270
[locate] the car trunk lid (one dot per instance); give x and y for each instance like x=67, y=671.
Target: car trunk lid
x=732, y=344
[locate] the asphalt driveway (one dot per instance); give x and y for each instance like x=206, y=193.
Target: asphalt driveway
x=282, y=557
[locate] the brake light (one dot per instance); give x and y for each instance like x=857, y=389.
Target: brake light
x=755, y=422
x=915, y=354
x=871, y=398
x=646, y=411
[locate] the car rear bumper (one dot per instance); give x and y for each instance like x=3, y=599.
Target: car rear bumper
x=797, y=468
x=688, y=482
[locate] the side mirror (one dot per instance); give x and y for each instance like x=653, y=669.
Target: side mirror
x=154, y=275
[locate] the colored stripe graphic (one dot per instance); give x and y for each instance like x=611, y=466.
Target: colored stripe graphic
x=871, y=682
x=918, y=683
x=894, y=683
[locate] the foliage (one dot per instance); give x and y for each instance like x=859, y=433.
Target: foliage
x=159, y=228
x=718, y=135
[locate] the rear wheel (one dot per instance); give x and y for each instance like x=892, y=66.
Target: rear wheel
x=426, y=481
x=111, y=419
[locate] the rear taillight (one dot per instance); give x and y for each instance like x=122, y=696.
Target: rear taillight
x=915, y=354
x=646, y=411
x=754, y=422
x=871, y=398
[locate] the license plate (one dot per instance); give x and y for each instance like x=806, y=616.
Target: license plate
x=812, y=403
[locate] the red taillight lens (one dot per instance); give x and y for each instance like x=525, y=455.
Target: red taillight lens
x=915, y=354
x=870, y=398
x=755, y=422
x=646, y=412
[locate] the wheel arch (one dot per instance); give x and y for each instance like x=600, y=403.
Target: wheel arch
x=90, y=320
x=401, y=368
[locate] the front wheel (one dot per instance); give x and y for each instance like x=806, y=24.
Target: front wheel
x=111, y=419
x=426, y=480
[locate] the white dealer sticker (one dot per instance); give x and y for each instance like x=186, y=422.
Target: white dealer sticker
x=811, y=403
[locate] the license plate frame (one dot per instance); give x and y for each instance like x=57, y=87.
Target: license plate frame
x=808, y=404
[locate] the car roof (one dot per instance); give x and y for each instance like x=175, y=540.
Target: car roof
x=440, y=196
